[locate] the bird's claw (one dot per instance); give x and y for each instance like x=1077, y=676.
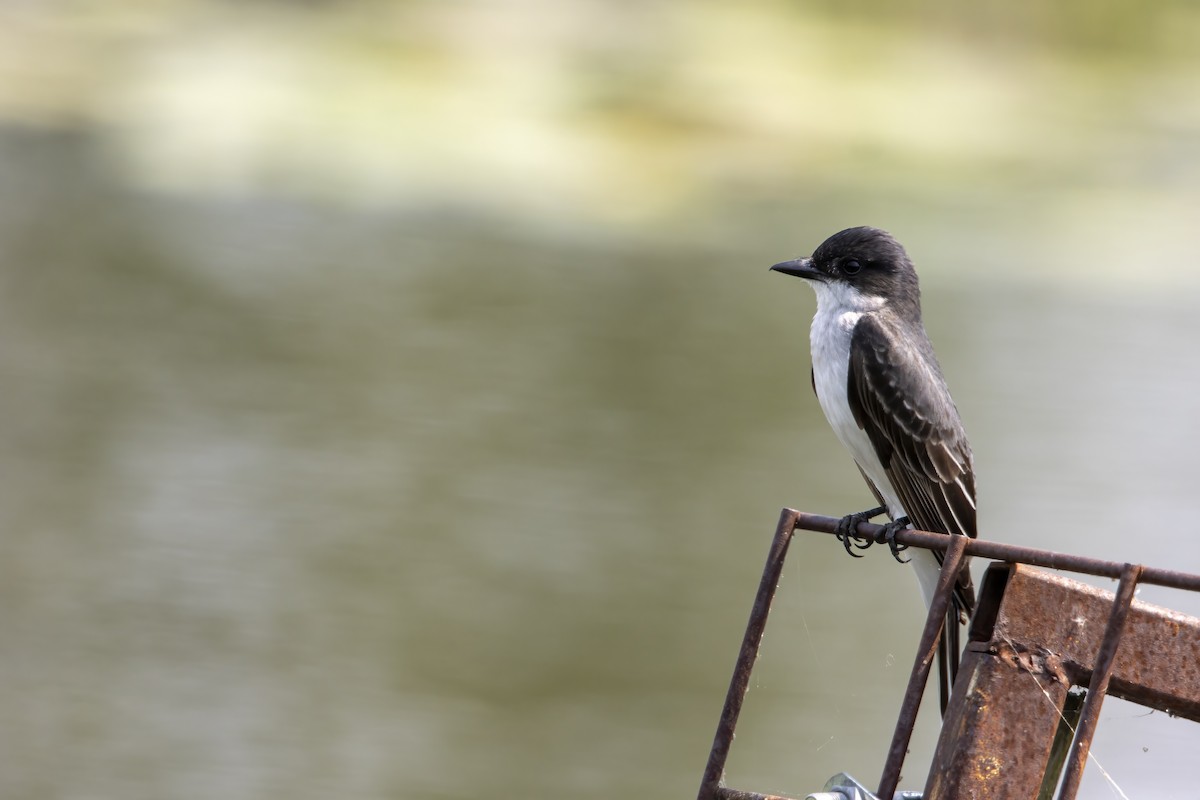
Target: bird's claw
x=847, y=527
x=888, y=534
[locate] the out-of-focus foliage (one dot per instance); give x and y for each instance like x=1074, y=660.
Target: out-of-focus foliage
x=618, y=117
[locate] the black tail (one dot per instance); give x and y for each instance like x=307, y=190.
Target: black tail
x=949, y=652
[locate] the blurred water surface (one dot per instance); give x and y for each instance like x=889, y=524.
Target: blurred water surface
x=304, y=503
x=364, y=438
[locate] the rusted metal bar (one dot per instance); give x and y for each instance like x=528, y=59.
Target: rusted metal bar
x=724, y=793
x=926, y=651
x=1068, y=721
x=714, y=771
x=997, y=735
x=1034, y=635
x=1008, y=552
x=1101, y=674
x=1158, y=666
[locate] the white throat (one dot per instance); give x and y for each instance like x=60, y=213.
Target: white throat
x=836, y=297
x=839, y=308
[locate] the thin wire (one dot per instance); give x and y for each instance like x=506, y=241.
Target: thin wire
x=1057, y=710
x=815, y=655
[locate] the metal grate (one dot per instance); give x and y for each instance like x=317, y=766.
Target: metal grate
x=1174, y=685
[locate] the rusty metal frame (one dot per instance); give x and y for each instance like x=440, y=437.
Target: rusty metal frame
x=1098, y=687
x=935, y=620
x=714, y=771
x=956, y=548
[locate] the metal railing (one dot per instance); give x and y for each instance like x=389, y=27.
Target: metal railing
x=1099, y=670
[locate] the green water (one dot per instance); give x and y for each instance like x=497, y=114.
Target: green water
x=303, y=503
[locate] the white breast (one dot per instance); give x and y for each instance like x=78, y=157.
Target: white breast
x=839, y=308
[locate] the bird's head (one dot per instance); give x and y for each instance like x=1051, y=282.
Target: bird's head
x=862, y=265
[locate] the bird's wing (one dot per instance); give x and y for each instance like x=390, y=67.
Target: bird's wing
x=899, y=398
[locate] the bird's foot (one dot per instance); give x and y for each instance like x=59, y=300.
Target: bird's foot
x=848, y=525
x=888, y=534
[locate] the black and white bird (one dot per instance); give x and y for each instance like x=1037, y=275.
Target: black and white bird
x=880, y=386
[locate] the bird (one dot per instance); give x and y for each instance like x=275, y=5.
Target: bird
x=879, y=383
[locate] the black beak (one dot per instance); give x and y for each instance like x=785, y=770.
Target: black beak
x=801, y=268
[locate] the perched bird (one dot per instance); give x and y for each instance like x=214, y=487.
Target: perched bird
x=880, y=386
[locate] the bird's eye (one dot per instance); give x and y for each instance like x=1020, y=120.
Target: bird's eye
x=851, y=266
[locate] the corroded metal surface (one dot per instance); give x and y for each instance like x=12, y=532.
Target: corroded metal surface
x=1102, y=671
x=1158, y=664
x=723, y=793
x=996, y=738
x=867, y=531
x=1033, y=636
x=926, y=651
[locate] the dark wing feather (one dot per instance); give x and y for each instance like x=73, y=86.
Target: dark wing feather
x=899, y=398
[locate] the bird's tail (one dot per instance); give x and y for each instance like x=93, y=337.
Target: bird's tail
x=950, y=651
x=962, y=605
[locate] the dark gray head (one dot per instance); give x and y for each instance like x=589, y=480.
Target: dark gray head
x=866, y=260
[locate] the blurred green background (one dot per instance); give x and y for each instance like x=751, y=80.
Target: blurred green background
x=397, y=404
